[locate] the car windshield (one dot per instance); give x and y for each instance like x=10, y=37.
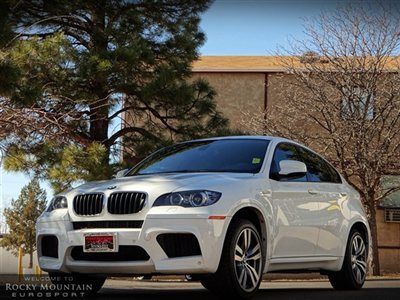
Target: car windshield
x=226, y=155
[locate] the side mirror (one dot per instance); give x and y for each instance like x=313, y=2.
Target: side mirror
x=292, y=168
x=121, y=173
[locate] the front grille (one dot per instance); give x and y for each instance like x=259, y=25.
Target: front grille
x=179, y=244
x=49, y=245
x=88, y=204
x=126, y=203
x=125, y=253
x=107, y=224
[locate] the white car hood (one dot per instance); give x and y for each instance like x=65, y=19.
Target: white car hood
x=156, y=185
x=166, y=182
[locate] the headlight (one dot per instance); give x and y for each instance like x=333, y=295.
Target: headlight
x=188, y=199
x=57, y=202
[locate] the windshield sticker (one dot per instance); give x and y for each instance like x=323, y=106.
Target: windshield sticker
x=256, y=160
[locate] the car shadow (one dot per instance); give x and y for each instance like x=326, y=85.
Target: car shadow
x=281, y=294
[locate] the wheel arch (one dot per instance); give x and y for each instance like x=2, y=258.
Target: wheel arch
x=363, y=229
x=255, y=216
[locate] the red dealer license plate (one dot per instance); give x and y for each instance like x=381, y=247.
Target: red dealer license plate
x=100, y=243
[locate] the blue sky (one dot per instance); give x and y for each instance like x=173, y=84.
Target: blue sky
x=232, y=27
x=251, y=27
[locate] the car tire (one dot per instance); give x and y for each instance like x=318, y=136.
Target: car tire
x=91, y=284
x=242, y=261
x=354, y=269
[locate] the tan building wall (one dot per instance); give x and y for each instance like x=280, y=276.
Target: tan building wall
x=277, y=84
x=388, y=243
x=239, y=92
x=236, y=92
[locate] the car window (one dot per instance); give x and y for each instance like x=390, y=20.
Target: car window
x=284, y=151
x=225, y=155
x=318, y=169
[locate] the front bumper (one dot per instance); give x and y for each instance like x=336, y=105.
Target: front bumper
x=209, y=233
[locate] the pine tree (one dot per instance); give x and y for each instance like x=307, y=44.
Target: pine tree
x=89, y=65
x=21, y=217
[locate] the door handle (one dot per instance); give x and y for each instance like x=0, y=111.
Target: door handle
x=313, y=192
x=266, y=193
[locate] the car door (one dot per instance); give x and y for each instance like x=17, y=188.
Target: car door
x=326, y=188
x=295, y=227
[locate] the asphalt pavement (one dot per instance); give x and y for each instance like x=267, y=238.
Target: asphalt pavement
x=282, y=290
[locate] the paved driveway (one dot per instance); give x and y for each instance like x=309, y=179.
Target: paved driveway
x=307, y=290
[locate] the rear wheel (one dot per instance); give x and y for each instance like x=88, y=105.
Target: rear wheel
x=240, y=270
x=87, y=284
x=354, y=269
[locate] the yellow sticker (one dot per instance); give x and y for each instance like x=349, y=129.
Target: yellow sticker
x=256, y=160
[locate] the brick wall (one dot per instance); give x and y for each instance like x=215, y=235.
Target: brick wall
x=236, y=92
x=389, y=244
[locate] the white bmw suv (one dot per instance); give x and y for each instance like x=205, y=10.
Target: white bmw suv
x=223, y=210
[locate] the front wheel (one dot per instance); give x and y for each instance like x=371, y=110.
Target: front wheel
x=241, y=267
x=354, y=269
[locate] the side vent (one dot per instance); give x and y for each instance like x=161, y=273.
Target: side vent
x=179, y=244
x=392, y=215
x=49, y=245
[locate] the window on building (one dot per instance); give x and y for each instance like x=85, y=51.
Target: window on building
x=356, y=103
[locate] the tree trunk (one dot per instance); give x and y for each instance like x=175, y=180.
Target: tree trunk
x=99, y=110
x=30, y=260
x=374, y=242
x=98, y=120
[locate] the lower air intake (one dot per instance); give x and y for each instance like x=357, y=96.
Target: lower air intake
x=49, y=245
x=179, y=244
x=125, y=253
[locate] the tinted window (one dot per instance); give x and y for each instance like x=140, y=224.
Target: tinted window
x=284, y=151
x=318, y=170
x=229, y=155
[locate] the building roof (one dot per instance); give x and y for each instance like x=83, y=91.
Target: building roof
x=393, y=200
x=257, y=64
x=389, y=204
x=238, y=64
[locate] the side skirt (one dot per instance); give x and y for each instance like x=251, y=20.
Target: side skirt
x=314, y=263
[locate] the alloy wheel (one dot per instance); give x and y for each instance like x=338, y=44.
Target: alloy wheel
x=248, y=259
x=359, y=258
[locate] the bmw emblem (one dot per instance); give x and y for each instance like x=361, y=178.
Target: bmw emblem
x=111, y=187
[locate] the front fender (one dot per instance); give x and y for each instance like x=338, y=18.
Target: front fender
x=266, y=221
